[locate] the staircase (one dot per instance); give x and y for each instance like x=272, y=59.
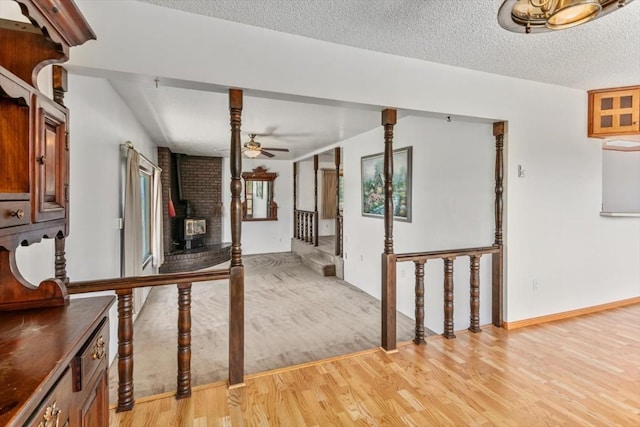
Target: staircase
x=317, y=259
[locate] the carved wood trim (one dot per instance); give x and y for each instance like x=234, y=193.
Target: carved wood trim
x=125, y=350
x=184, y=341
x=474, y=300
x=419, y=290
x=235, y=109
x=448, y=298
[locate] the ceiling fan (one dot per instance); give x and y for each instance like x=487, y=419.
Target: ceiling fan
x=253, y=148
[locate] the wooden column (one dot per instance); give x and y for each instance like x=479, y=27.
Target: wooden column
x=448, y=298
x=315, y=197
x=59, y=80
x=59, y=84
x=125, y=350
x=497, y=260
x=474, y=301
x=388, y=257
x=184, y=341
x=295, y=199
x=338, y=233
x=236, y=272
x=419, y=338
x=60, y=260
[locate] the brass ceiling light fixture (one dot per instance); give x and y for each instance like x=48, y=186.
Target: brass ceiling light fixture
x=537, y=16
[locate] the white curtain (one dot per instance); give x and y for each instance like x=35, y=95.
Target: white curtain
x=157, y=244
x=132, y=216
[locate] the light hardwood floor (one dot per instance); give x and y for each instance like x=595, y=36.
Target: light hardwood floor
x=577, y=372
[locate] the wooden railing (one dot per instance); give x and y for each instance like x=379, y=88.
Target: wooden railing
x=448, y=256
x=124, y=289
x=306, y=229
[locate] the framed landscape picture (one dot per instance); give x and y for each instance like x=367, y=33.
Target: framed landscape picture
x=373, y=185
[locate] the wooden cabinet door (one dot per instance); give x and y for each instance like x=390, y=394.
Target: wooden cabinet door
x=94, y=412
x=614, y=112
x=51, y=155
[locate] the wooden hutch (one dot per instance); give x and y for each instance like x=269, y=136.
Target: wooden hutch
x=53, y=353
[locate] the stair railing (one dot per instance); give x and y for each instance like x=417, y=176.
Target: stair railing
x=306, y=226
x=124, y=289
x=448, y=256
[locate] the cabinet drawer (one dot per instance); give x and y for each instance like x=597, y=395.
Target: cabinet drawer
x=88, y=360
x=56, y=407
x=15, y=212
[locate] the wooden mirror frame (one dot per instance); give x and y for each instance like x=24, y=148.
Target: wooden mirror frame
x=260, y=174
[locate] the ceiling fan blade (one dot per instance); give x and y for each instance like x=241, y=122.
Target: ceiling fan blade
x=286, y=150
x=266, y=153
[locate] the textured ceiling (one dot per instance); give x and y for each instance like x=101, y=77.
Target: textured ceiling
x=465, y=33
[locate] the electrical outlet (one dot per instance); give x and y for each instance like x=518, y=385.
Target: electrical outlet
x=534, y=285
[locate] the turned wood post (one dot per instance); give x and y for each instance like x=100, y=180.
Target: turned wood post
x=315, y=197
x=59, y=85
x=338, y=233
x=184, y=341
x=388, y=257
x=60, y=260
x=419, y=338
x=125, y=350
x=236, y=272
x=59, y=80
x=474, y=301
x=497, y=259
x=295, y=199
x=448, y=298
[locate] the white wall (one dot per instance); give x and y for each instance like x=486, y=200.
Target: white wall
x=620, y=181
x=555, y=235
x=452, y=207
x=260, y=237
x=99, y=123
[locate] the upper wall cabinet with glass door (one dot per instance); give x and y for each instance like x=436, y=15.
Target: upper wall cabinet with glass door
x=614, y=112
x=34, y=140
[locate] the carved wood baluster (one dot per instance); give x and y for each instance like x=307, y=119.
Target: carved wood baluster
x=314, y=236
x=336, y=155
x=419, y=338
x=184, y=341
x=125, y=350
x=448, y=298
x=388, y=257
x=497, y=260
x=59, y=83
x=308, y=232
x=60, y=260
x=236, y=272
x=295, y=199
x=474, y=281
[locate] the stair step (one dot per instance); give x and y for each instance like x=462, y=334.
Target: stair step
x=319, y=263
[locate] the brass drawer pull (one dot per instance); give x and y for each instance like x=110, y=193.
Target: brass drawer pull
x=19, y=213
x=51, y=416
x=98, y=349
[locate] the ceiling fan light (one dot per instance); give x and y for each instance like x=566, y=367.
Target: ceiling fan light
x=252, y=153
x=569, y=13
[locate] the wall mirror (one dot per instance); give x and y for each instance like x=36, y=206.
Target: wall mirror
x=258, y=204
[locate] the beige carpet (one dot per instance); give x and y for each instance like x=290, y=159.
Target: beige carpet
x=292, y=316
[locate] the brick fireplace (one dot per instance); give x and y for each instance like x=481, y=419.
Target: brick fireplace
x=193, y=238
